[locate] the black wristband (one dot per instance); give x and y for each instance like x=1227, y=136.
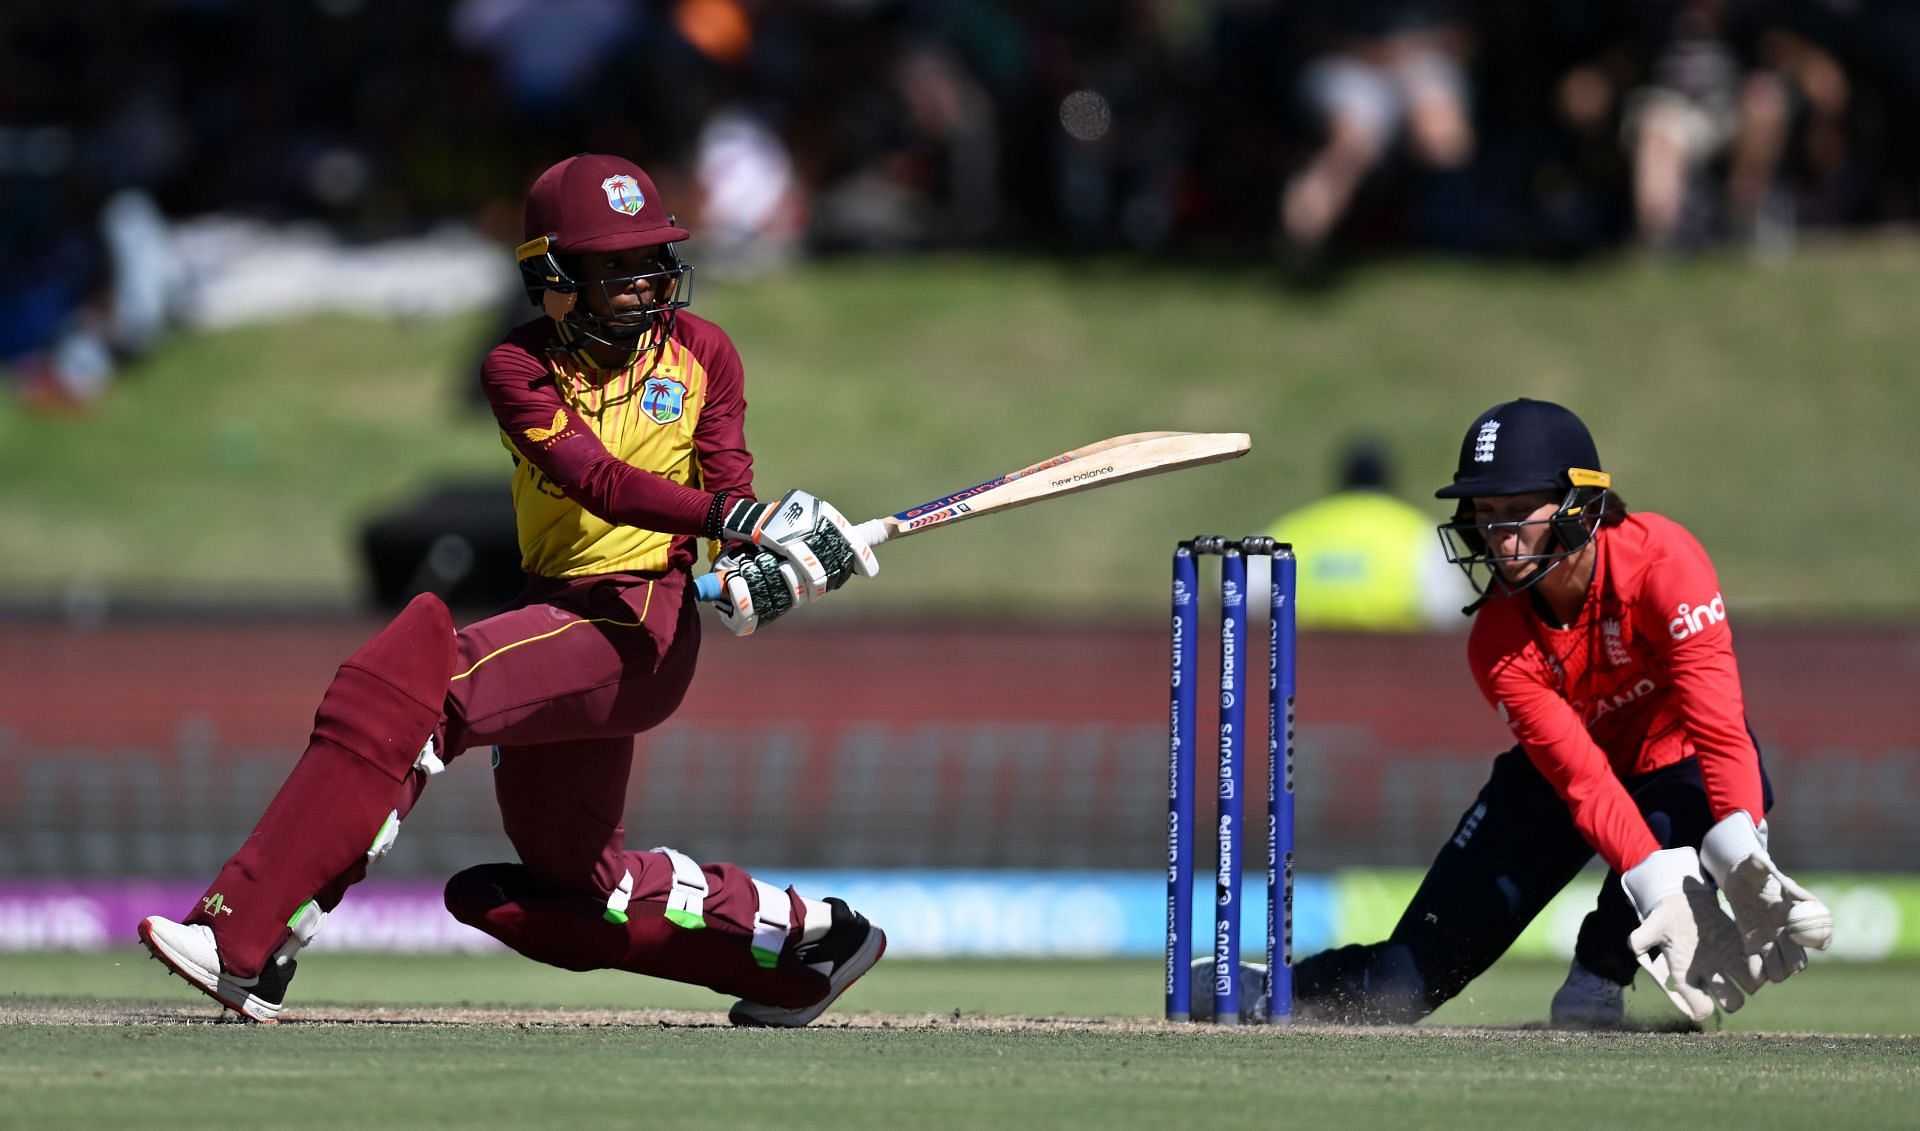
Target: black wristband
x=716, y=514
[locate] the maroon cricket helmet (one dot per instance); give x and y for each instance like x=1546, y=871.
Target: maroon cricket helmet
x=597, y=202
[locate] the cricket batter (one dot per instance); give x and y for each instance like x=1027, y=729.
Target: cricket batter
x=624, y=416
x=1601, y=638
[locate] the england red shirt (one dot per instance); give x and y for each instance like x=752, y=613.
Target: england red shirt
x=1643, y=678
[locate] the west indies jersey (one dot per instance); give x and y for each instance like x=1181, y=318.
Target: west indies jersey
x=1645, y=677
x=614, y=469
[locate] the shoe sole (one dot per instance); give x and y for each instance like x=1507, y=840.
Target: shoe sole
x=858, y=964
x=186, y=971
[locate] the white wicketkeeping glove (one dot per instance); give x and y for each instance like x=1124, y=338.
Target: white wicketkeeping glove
x=808, y=532
x=1684, y=940
x=755, y=589
x=1778, y=919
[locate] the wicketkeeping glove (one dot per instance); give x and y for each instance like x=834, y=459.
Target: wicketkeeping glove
x=1777, y=918
x=1684, y=940
x=756, y=588
x=806, y=531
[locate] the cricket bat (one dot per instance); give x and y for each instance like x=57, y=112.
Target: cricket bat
x=1098, y=464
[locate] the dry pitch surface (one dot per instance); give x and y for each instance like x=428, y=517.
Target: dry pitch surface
x=29, y=1011
x=66, y=1062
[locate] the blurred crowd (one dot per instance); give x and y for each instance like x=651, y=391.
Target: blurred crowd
x=1306, y=130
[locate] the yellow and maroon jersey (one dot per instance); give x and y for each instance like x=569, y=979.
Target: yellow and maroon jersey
x=1643, y=678
x=614, y=470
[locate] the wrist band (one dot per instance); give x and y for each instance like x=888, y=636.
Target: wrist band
x=716, y=513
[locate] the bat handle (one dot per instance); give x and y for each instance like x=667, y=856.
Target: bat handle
x=706, y=587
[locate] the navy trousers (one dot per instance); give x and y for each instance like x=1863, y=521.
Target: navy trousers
x=1514, y=849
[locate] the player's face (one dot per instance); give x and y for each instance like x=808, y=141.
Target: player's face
x=1517, y=528
x=627, y=283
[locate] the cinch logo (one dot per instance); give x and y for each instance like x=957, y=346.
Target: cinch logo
x=1483, y=443
x=1689, y=619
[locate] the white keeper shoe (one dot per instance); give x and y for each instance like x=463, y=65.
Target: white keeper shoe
x=188, y=950
x=849, y=949
x=1253, y=991
x=1588, y=1001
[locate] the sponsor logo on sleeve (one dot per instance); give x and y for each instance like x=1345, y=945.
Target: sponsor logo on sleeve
x=552, y=434
x=1690, y=620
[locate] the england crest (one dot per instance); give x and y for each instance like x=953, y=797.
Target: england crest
x=663, y=399
x=623, y=195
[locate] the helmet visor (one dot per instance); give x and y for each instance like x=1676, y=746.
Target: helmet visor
x=1474, y=545
x=637, y=305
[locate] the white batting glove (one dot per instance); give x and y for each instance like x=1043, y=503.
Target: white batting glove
x=755, y=589
x=1778, y=919
x=807, y=531
x=1684, y=940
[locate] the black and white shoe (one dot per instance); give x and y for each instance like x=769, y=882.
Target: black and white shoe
x=188, y=950
x=1587, y=1000
x=849, y=949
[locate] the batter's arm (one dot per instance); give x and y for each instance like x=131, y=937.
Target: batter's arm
x=547, y=433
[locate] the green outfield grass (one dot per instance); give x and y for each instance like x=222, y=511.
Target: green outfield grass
x=1767, y=406
x=1829, y=1047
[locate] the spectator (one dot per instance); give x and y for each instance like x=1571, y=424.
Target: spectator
x=1721, y=87
x=1391, y=70
x=1368, y=560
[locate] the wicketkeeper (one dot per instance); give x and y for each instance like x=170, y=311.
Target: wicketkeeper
x=1602, y=640
x=624, y=416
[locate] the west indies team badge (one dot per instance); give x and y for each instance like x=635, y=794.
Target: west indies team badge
x=623, y=194
x=663, y=399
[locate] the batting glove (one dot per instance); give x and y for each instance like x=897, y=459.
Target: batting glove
x=808, y=532
x=755, y=589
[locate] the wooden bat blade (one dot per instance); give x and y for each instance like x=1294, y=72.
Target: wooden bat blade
x=1114, y=460
x=1082, y=469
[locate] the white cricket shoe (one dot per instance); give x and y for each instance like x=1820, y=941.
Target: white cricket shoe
x=849, y=949
x=188, y=950
x=1588, y=1001
x=1253, y=991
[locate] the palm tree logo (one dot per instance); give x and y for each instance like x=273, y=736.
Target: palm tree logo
x=663, y=399
x=623, y=195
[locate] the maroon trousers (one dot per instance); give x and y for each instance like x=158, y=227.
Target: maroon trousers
x=559, y=684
